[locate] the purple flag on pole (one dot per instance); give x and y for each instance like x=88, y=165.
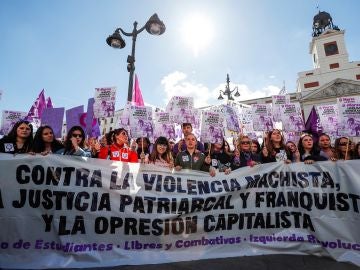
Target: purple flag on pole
x=137, y=98
x=53, y=117
x=38, y=107
x=73, y=117
x=313, y=125
x=92, y=125
x=49, y=103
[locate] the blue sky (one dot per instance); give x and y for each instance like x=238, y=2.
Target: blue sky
x=60, y=46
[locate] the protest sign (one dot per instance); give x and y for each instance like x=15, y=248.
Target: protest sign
x=53, y=117
x=328, y=116
x=262, y=117
x=291, y=117
x=141, y=122
x=180, y=108
x=73, y=117
x=278, y=100
x=104, y=105
x=9, y=118
x=349, y=115
x=164, y=126
x=212, y=127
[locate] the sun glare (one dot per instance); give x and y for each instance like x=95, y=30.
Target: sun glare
x=197, y=32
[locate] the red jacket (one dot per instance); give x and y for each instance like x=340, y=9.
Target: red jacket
x=117, y=152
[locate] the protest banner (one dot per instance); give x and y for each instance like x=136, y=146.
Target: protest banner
x=53, y=117
x=349, y=116
x=104, y=105
x=59, y=211
x=212, y=127
x=262, y=117
x=9, y=118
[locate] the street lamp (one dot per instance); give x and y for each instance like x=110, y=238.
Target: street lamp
x=153, y=26
x=227, y=92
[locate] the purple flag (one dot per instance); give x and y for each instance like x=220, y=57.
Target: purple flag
x=137, y=98
x=313, y=125
x=73, y=117
x=49, y=103
x=37, y=108
x=53, y=117
x=92, y=125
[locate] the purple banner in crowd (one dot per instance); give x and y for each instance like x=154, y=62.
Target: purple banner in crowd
x=73, y=117
x=313, y=124
x=92, y=126
x=53, y=117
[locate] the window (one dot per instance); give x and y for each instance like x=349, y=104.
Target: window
x=331, y=48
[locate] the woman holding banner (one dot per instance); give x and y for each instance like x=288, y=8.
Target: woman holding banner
x=343, y=148
x=161, y=154
x=118, y=149
x=45, y=142
x=326, y=150
x=246, y=157
x=19, y=140
x=308, y=151
x=220, y=159
x=75, y=143
x=274, y=148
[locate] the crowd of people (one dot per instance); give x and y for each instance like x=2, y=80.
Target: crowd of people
x=188, y=153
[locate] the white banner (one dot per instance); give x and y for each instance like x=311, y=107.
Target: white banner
x=58, y=211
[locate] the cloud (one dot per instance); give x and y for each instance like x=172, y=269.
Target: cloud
x=176, y=84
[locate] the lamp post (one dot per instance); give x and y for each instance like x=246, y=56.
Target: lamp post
x=153, y=26
x=227, y=92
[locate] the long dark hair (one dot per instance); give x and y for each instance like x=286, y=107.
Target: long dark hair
x=269, y=144
x=314, y=150
x=117, y=132
x=166, y=155
x=39, y=145
x=68, y=144
x=12, y=135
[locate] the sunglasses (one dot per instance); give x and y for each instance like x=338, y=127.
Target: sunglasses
x=77, y=135
x=245, y=142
